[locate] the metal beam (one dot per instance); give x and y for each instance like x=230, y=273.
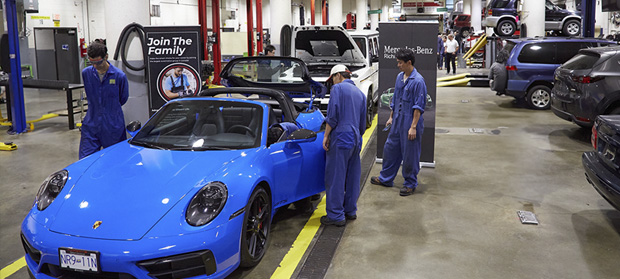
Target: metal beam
x=18, y=111
x=250, y=26
x=259, y=25
x=217, y=54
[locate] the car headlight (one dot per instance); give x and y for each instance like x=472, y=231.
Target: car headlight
x=207, y=204
x=50, y=189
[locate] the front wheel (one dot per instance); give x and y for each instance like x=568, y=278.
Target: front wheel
x=539, y=97
x=256, y=225
x=370, y=109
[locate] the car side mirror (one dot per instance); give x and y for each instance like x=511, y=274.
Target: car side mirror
x=354, y=75
x=302, y=135
x=133, y=127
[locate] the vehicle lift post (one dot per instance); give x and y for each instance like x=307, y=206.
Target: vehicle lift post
x=588, y=10
x=18, y=111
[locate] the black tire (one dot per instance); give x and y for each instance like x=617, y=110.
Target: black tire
x=255, y=230
x=539, y=97
x=370, y=109
x=572, y=28
x=465, y=32
x=506, y=27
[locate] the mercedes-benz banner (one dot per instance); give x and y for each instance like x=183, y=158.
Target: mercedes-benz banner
x=173, y=63
x=421, y=37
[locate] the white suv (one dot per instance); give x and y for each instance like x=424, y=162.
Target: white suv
x=322, y=47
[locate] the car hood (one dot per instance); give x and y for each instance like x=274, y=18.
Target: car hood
x=128, y=189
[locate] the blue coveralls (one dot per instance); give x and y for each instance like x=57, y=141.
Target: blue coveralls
x=180, y=83
x=104, y=124
x=408, y=96
x=346, y=114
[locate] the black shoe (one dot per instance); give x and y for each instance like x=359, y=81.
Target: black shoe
x=329, y=222
x=406, y=191
x=375, y=180
x=350, y=217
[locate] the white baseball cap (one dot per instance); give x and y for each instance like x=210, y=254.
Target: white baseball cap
x=337, y=69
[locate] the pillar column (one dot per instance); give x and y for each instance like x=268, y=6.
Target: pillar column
x=476, y=14
x=533, y=16
x=374, y=18
x=335, y=12
x=385, y=10
x=361, y=14
x=280, y=14
x=467, y=7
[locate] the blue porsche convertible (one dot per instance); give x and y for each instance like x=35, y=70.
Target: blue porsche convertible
x=192, y=193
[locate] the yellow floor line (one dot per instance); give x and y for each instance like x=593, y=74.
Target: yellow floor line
x=12, y=268
x=294, y=255
x=298, y=249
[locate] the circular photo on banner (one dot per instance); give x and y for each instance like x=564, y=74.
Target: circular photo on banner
x=178, y=80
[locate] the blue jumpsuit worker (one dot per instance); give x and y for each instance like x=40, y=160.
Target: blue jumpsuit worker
x=345, y=125
x=107, y=90
x=176, y=85
x=404, y=142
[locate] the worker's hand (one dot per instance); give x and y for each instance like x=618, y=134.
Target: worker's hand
x=412, y=133
x=326, y=143
x=388, y=122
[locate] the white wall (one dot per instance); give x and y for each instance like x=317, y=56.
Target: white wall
x=182, y=12
x=72, y=14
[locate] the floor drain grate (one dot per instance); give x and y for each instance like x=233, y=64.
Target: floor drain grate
x=476, y=130
x=527, y=217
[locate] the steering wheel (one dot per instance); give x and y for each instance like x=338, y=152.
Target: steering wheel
x=241, y=127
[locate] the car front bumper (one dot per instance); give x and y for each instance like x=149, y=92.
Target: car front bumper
x=122, y=258
x=606, y=183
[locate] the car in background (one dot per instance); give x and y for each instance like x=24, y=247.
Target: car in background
x=502, y=15
x=586, y=86
x=532, y=63
x=602, y=165
x=462, y=23
x=322, y=47
x=191, y=194
x=368, y=42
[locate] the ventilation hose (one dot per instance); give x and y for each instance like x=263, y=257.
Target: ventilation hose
x=121, y=47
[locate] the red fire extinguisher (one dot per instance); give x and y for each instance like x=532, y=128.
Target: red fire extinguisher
x=83, y=47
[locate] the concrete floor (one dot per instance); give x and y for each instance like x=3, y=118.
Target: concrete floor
x=460, y=223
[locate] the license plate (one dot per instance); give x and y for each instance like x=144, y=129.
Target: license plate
x=80, y=260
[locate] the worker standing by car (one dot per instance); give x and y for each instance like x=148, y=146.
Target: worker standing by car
x=107, y=90
x=345, y=125
x=404, y=142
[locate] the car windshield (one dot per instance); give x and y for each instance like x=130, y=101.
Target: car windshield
x=269, y=71
x=203, y=125
x=581, y=61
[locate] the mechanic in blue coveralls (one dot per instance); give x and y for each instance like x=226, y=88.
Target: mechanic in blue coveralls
x=404, y=142
x=106, y=90
x=176, y=85
x=345, y=125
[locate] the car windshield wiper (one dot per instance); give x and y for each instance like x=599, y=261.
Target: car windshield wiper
x=147, y=144
x=200, y=148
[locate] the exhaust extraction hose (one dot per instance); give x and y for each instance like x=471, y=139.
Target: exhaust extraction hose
x=121, y=47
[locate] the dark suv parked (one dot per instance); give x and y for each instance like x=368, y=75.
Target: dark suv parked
x=502, y=16
x=587, y=86
x=601, y=165
x=532, y=62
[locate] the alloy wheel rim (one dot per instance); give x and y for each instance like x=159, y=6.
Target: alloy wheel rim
x=506, y=28
x=573, y=28
x=256, y=227
x=540, y=98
